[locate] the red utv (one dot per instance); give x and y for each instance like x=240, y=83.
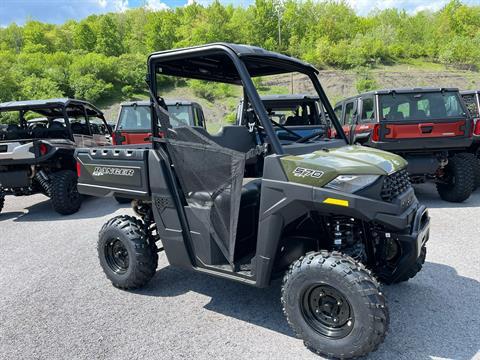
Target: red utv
x=133, y=123
x=430, y=127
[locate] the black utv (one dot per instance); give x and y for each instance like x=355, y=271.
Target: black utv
x=430, y=127
x=36, y=148
x=295, y=115
x=329, y=218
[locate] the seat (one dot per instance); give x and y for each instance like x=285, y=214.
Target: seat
x=395, y=116
x=247, y=228
x=295, y=121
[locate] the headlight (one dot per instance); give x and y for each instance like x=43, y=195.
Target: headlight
x=351, y=183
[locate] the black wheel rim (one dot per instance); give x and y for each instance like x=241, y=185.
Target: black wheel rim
x=327, y=311
x=116, y=255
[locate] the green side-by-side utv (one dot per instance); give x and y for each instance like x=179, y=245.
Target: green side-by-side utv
x=332, y=220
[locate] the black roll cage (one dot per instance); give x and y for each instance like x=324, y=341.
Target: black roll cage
x=40, y=108
x=288, y=64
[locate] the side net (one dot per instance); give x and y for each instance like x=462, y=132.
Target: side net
x=211, y=178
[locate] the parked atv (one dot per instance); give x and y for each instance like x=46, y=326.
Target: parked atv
x=430, y=128
x=471, y=99
x=330, y=218
x=133, y=123
x=36, y=155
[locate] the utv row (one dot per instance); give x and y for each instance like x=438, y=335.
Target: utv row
x=429, y=127
x=36, y=152
x=246, y=206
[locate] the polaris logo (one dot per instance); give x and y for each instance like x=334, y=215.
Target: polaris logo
x=103, y=170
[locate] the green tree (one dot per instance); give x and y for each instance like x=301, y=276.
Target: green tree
x=108, y=41
x=83, y=37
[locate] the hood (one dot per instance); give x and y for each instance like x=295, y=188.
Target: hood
x=320, y=167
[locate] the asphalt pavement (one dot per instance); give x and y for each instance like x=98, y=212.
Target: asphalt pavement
x=55, y=302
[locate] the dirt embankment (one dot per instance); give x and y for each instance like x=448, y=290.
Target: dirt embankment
x=340, y=84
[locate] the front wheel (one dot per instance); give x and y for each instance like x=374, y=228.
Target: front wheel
x=457, y=182
x=127, y=255
x=335, y=305
x=65, y=197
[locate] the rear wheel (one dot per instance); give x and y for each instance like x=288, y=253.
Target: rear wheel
x=335, y=305
x=65, y=197
x=127, y=255
x=457, y=181
x=475, y=165
x=2, y=201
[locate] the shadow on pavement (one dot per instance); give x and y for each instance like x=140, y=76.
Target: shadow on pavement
x=43, y=211
x=435, y=314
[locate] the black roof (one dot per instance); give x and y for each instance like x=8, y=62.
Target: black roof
x=211, y=62
x=51, y=107
x=289, y=97
x=169, y=102
x=398, y=91
x=469, y=92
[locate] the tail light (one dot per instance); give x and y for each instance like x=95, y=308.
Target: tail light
x=43, y=149
x=114, y=141
x=79, y=169
x=329, y=133
x=376, y=133
x=476, y=130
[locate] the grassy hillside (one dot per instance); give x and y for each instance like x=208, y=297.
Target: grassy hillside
x=338, y=84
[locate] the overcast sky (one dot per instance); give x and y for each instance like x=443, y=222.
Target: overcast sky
x=58, y=11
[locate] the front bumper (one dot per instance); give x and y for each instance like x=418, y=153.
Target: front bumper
x=410, y=244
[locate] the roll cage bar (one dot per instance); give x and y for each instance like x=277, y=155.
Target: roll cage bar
x=207, y=62
x=55, y=108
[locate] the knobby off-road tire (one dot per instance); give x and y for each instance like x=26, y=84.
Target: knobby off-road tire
x=127, y=256
x=459, y=170
x=64, y=194
x=122, y=200
x=414, y=270
x=475, y=164
x=309, y=291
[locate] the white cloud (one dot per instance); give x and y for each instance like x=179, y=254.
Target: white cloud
x=363, y=7
x=190, y=2
x=156, y=5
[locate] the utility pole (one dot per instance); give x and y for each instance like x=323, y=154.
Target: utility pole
x=279, y=9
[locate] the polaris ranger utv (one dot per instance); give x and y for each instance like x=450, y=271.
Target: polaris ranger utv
x=36, y=155
x=431, y=128
x=330, y=218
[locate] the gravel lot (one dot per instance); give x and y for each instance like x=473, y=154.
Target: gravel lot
x=55, y=302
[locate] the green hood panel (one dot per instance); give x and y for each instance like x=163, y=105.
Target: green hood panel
x=320, y=167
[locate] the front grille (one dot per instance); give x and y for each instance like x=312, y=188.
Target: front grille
x=395, y=185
